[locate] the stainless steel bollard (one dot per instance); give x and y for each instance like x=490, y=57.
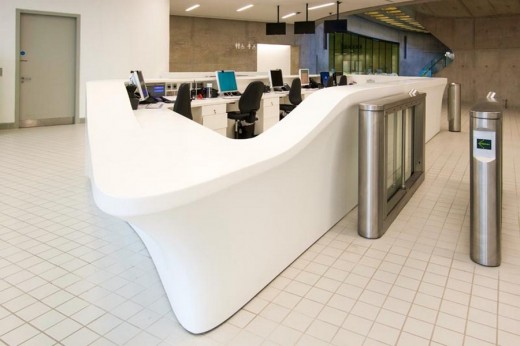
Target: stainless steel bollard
x=486, y=182
x=454, y=107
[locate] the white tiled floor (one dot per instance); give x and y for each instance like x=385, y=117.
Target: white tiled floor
x=71, y=275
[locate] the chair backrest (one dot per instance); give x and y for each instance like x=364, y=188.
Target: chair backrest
x=295, y=93
x=342, y=80
x=182, y=103
x=250, y=100
x=330, y=82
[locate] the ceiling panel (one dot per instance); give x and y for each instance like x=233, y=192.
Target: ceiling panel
x=469, y=8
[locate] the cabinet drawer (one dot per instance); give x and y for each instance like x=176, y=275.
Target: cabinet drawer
x=272, y=112
x=213, y=109
x=216, y=121
x=271, y=102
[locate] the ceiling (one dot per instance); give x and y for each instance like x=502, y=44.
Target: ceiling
x=469, y=8
x=266, y=10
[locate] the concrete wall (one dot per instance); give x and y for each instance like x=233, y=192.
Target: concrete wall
x=487, y=55
x=206, y=44
x=420, y=50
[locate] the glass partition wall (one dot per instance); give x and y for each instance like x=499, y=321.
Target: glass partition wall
x=352, y=53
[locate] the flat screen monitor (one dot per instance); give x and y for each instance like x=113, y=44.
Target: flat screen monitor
x=226, y=81
x=304, y=76
x=276, y=78
x=275, y=28
x=324, y=77
x=339, y=25
x=156, y=89
x=136, y=78
x=304, y=27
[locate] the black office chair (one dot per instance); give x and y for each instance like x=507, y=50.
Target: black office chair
x=342, y=80
x=295, y=98
x=330, y=82
x=248, y=105
x=182, y=103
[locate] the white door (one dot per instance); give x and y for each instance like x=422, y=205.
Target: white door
x=47, y=70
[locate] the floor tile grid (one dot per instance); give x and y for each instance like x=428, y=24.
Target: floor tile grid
x=358, y=256
x=466, y=251
x=66, y=221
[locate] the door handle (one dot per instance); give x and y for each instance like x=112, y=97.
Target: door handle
x=25, y=79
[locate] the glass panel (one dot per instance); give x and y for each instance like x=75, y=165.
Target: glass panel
x=408, y=114
x=353, y=53
x=347, y=59
x=375, y=55
x=394, y=148
x=382, y=59
x=368, y=57
x=388, y=56
x=395, y=58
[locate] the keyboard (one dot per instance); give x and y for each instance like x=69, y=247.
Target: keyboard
x=233, y=94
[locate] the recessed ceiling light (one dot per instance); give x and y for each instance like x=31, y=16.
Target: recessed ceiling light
x=289, y=15
x=245, y=8
x=320, y=6
x=192, y=8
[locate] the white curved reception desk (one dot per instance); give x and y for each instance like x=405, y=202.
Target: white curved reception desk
x=220, y=217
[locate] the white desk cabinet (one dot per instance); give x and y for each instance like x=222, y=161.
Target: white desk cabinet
x=213, y=116
x=268, y=114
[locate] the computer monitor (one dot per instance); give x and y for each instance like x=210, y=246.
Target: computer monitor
x=156, y=89
x=275, y=28
x=226, y=81
x=276, y=78
x=307, y=27
x=304, y=76
x=324, y=77
x=332, y=26
x=136, y=78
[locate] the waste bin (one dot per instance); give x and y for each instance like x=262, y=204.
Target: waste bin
x=454, y=107
x=246, y=130
x=486, y=181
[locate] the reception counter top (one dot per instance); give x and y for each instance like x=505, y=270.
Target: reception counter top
x=222, y=217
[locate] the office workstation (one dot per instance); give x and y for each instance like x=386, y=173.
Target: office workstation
x=177, y=183
x=216, y=94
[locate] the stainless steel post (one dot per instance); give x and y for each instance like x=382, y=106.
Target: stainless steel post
x=454, y=107
x=486, y=182
x=370, y=175
x=391, y=159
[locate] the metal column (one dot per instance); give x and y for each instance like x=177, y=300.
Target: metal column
x=486, y=182
x=454, y=107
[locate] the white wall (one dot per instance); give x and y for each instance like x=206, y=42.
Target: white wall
x=116, y=37
x=272, y=57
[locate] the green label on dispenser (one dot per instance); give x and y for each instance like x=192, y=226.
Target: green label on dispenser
x=484, y=144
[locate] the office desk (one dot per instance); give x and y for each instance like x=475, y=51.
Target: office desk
x=268, y=114
x=212, y=113
x=175, y=183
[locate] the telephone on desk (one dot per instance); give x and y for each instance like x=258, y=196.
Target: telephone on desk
x=203, y=93
x=285, y=87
